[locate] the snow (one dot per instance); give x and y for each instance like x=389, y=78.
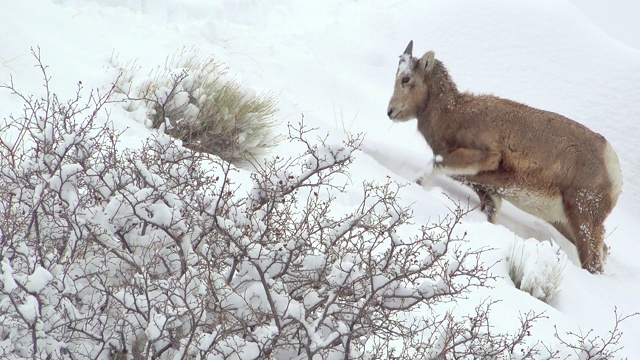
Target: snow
x=37, y=281
x=335, y=62
x=617, y=18
x=404, y=67
x=156, y=326
x=8, y=282
x=29, y=309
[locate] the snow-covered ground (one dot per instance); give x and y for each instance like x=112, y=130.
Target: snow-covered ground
x=334, y=61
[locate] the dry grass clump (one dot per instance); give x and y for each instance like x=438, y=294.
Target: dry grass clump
x=537, y=268
x=194, y=101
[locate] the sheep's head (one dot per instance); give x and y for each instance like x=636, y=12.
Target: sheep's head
x=411, y=91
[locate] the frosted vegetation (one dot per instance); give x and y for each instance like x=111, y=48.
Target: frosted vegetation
x=165, y=252
x=193, y=100
x=536, y=268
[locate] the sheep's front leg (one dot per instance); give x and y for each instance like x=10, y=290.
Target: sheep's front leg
x=461, y=162
x=489, y=203
x=467, y=161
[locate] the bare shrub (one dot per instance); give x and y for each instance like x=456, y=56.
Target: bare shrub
x=590, y=346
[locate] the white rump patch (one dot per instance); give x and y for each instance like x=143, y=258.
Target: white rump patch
x=613, y=169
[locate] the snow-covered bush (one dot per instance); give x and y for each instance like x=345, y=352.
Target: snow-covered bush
x=160, y=253
x=536, y=267
x=194, y=101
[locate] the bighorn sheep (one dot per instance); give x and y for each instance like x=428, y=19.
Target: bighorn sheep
x=542, y=162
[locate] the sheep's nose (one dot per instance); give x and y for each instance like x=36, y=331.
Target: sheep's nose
x=389, y=113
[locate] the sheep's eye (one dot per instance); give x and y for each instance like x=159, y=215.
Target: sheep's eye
x=405, y=79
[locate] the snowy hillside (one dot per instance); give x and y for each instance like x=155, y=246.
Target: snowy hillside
x=334, y=62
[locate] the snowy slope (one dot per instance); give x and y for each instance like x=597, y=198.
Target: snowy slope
x=618, y=18
x=335, y=61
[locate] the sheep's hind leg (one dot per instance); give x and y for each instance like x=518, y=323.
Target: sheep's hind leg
x=587, y=231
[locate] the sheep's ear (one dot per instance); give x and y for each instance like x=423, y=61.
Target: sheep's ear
x=428, y=60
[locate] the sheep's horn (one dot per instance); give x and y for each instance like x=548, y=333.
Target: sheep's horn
x=409, y=48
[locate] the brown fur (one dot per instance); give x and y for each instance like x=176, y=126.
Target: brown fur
x=542, y=162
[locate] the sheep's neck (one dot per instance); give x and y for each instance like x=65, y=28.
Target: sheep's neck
x=443, y=96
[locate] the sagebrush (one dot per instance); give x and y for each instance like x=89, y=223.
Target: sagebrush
x=195, y=101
